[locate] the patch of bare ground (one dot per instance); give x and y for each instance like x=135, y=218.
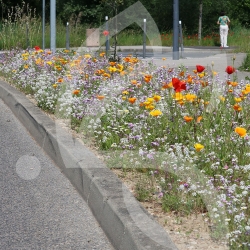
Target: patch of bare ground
x=187, y=232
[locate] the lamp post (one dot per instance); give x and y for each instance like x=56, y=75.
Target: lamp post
x=175, y=29
x=53, y=25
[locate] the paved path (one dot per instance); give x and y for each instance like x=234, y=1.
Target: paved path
x=191, y=56
x=39, y=207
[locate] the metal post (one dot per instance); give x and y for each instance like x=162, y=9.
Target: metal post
x=175, y=30
x=200, y=22
x=107, y=37
x=67, y=36
x=53, y=25
x=144, y=38
x=43, y=7
x=181, y=39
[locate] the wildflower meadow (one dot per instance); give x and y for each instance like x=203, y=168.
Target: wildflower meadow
x=186, y=130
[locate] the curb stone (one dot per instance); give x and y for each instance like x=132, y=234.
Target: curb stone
x=126, y=223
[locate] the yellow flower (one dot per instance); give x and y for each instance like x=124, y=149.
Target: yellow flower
x=102, y=54
x=237, y=99
x=150, y=107
x=54, y=86
x=125, y=92
x=240, y=131
x=222, y=98
x=163, y=58
x=247, y=89
x=150, y=100
x=25, y=54
x=201, y=74
x=198, y=147
x=190, y=97
x=49, y=63
x=156, y=98
x=26, y=66
x=87, y=56
x=178, y=96
x=155, y=112
x=119, y=67
x=112, y=69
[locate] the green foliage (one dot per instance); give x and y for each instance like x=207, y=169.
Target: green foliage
x=246, y=64
x=93, y=12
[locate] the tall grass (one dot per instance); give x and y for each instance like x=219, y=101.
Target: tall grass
x=21, y=28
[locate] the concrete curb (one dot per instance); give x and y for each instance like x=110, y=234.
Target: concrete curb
x=125, y=222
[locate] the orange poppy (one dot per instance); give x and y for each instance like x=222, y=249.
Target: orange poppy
x=100, y=97
x=75, y=91
x=132, y=100
x=188, y=118
x=237, y=107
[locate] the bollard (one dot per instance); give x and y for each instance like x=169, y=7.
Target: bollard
x=107, y=37
x=144, y=38
x=53, y=25
x=67, y=36
x=175, y=30
x=181, y=39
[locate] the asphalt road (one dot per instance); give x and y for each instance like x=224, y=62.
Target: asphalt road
x=39, y=208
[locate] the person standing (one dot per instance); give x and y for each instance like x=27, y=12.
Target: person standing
x=223, y=21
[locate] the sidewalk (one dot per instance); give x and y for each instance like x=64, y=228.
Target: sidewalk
x=190, y=56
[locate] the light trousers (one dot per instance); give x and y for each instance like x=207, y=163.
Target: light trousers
x=223, y=35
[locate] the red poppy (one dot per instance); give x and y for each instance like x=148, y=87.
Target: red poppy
x=200, y=68
x=178, y=85
x=37, y=48
x=105, y=33
x=230, y=70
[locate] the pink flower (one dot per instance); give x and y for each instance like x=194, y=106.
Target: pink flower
x=105, y=33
